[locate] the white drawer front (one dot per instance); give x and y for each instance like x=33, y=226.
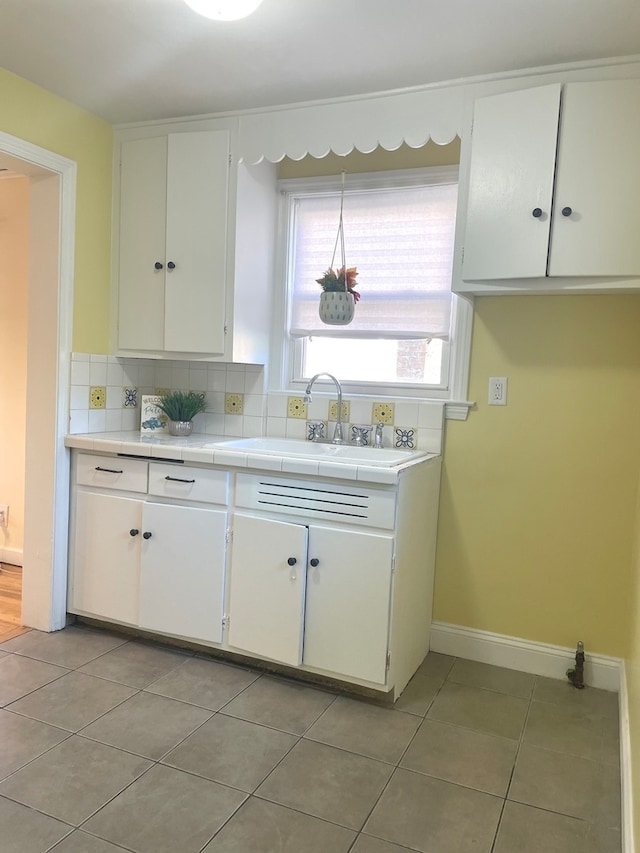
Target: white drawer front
x=112, y=472
x=189, y=484
x=351, y=504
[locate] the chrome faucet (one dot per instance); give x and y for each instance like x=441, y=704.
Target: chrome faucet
x=338, y=437
x=377, y=440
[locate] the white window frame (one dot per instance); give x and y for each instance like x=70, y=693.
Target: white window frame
x=286, y=352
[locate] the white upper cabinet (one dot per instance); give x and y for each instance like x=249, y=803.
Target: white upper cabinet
x=554, y=191
x=194, y=243
x=173, y=242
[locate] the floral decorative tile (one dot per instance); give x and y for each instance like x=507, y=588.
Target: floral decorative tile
x=405, y=437
x=346, y=411
x=161, y=392
x=233, y=404
x=296, y=408
x=361, y=430
x=383, y=412
x=316, y=430
x=97, y=397
x=129, y=398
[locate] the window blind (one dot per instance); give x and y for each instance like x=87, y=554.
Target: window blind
x=401, y=241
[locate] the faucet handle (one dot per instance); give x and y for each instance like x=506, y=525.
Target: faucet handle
x=377, y=439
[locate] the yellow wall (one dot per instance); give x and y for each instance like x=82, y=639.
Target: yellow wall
x=14, y=246
x=35, y=115
x=536, y=529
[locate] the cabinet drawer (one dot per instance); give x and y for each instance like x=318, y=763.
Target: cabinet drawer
x=109, y=472
x=189, y=484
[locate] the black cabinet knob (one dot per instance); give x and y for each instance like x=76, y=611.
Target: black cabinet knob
x=315, y=562
x=133, y=532
x=292, y=561
x=171, y=265
x=147, y=535
x=536, y=212
x=566, y=211
x=158, y=265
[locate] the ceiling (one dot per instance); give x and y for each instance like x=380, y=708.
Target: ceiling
x=133, y=60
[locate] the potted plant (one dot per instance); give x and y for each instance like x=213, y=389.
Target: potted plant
x=338, y=298
x=181, y=407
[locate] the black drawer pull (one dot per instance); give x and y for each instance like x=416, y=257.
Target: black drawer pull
x=178, y=479
x=108, y=470
x=147, y=535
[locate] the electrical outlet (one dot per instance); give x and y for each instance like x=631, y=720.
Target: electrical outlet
x=498, y=391
x=4, y=515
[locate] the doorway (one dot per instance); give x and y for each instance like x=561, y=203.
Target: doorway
x=52, y=190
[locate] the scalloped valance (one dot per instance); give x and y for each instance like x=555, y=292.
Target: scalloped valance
x=363, y=123
x=439, y=112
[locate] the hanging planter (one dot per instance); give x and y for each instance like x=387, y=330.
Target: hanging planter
x=337, y=309
x=338, y=299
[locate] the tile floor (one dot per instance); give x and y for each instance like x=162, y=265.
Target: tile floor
x=109, y=745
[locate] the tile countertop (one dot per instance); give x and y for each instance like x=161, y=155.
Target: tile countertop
x=200, y=448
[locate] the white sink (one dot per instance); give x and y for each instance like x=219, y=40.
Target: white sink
x=347, y=453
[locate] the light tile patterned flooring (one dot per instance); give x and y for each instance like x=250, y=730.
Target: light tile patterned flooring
x=108, y=744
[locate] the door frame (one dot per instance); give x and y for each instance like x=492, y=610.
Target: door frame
x=52, y=216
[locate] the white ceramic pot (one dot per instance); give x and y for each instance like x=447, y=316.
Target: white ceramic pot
x=337, y=307
x=180, y=427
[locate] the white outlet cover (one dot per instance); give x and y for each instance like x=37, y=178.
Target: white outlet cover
x=498, y=391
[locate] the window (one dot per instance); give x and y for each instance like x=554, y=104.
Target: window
x=399, y=233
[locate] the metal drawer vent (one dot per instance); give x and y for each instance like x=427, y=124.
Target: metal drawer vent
x=357, y=504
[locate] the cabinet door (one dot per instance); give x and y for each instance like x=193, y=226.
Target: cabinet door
x=106, y=556
x=513, y=151
x=182, y=571
x=598, y=178
x=266, y=606
x=348, y=603
x=143, y=204
x=197, y=178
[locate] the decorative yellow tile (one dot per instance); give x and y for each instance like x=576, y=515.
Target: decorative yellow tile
x=97, y=397
x=383, y=412
x=161, y=392
x=296, y=408
x=333, y=410
x=233, y=404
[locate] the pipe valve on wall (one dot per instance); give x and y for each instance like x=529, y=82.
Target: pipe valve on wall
x=576, y=675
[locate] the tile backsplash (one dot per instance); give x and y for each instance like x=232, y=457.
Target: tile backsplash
x=106, y=391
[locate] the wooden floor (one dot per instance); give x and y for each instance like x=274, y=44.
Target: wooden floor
x=10, y=601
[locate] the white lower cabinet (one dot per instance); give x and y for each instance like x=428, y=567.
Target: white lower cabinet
x=324, y=595
x=266, y=588
x=182, y=571
x=332, y=577
x=106, y=556
x=349, y=585
x=155, y=563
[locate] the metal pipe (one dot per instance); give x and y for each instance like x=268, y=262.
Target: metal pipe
x=576, y=675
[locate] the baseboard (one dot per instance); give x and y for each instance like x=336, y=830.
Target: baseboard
x=13, y=556
x=626, y=779
x=525, y=655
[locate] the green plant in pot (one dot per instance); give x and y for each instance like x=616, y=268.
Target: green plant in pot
x=181, y=407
